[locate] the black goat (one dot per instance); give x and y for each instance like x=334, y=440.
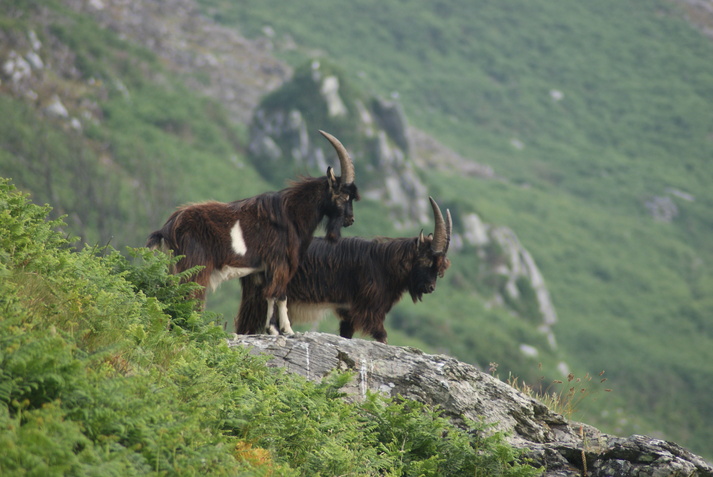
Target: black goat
x=359, y=280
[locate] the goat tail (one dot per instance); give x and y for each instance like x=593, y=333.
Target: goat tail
x=156, y=241
x=253, y=306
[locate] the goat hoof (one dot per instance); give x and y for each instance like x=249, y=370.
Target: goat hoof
x=272, y=330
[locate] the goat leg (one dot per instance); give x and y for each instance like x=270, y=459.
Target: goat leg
x=270, y=327
x=282, y=314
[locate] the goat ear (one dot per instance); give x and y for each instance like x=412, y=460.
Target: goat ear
x=331, y=177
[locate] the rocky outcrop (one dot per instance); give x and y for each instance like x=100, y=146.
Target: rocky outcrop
x=663, y=208
x=38, y=73
x=514, y=281
x=210, y=58
x=700, y=14
x=563, y=448
x=390, y=154
x=283, y=136
x=502, y=254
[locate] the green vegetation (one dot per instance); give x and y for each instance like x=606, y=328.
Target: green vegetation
x=633, y=121
x=108, y=369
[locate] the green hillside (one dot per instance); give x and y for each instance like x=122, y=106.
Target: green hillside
x=588, y=111
x=144, y=138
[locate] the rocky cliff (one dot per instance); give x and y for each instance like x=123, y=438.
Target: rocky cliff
x=563, y=448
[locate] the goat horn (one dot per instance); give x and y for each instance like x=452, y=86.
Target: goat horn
x=440, y=232
x=449, y=228
x=346, y=165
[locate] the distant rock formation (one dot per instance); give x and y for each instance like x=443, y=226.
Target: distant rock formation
x=505, y=256
x=209, y=57
x=663, y=207
x=700, y=14
x=563, y=448
x=375, y=130
x=283, y=134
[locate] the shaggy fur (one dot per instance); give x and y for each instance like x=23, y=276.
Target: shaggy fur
x=359, y=280
x=277, y=228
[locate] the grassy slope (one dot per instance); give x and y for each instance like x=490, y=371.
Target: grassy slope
x=139, y=158
x=635, y=120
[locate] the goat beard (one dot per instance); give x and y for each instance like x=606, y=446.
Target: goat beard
x=413, y=289
x=418, y=285
x=416, y=296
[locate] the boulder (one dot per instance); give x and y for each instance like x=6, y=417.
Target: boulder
x=461, y=390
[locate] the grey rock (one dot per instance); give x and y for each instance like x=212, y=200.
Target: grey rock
x=563, y=448
x=641, y=455
x=56, y=109
x=34, y=60
x=397, y=185
x=400, y=188
x=288, y=129
x=236, y=71
x=16, y=68
x=35, y=42
x=662, y=208
x=330, y=94
x=514, y=262
x=392, y=119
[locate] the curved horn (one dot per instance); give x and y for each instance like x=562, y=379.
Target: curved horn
x=449, y=228
x=346, y=165
x=440, y=232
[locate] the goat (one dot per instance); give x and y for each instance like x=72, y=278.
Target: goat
x=359, y=280
x=267, y=233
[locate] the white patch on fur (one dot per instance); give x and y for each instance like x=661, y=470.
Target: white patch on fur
x=228, y=273
x=301, y=313
x=237, y=240
x=284, y=320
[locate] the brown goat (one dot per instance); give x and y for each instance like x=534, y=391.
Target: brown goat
x=267, y=233
x=359, y=280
